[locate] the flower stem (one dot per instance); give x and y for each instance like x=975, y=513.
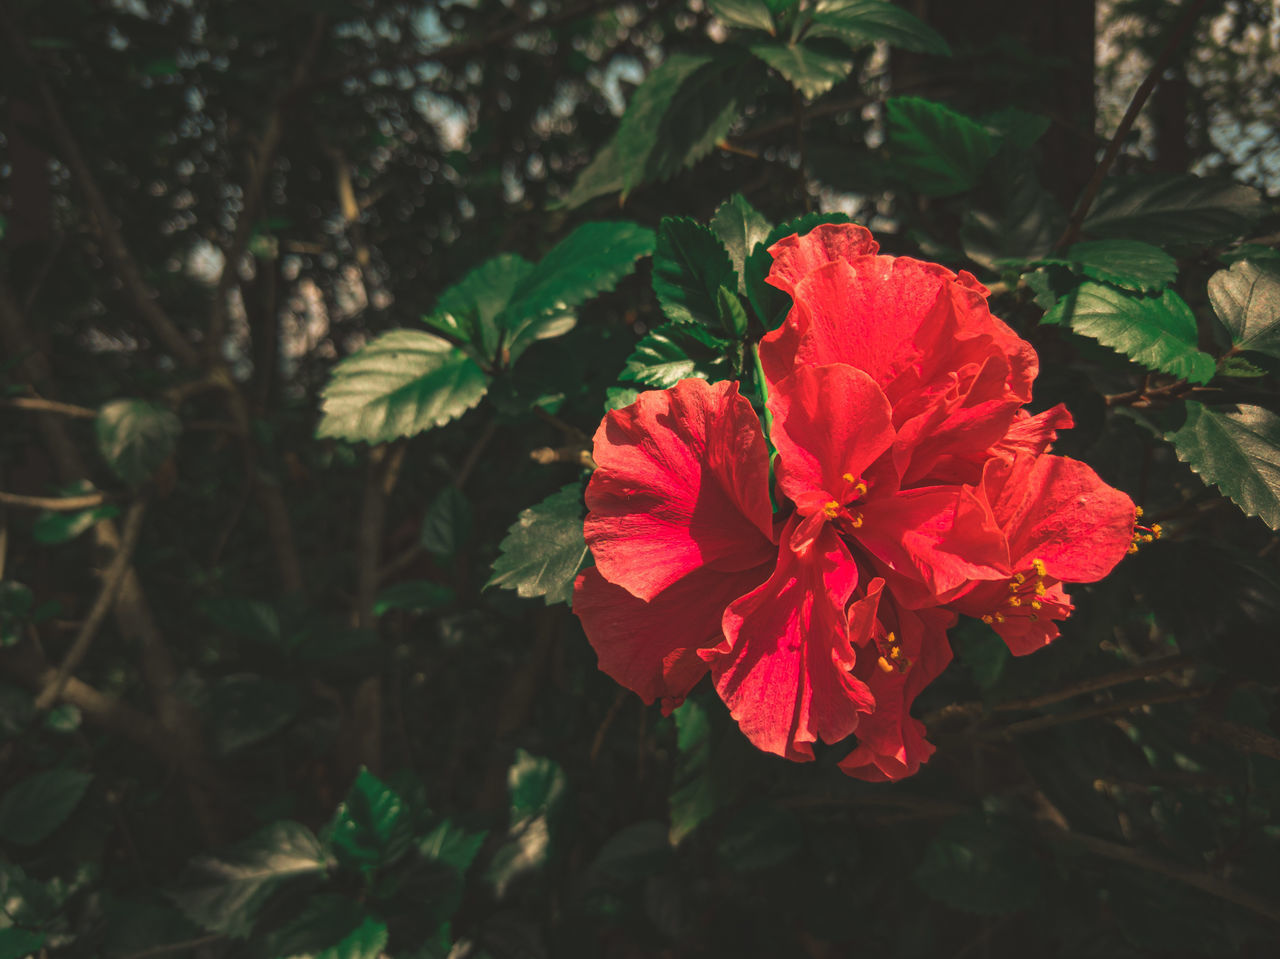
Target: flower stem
x=765, y=415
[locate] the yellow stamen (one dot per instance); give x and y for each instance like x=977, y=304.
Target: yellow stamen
x=1036, y=604
x=848, y=477
x=999, y=618
x=831, y=508
x=884, y=664
x=1040, y=590
x=855, y=520
x=1014, y=601
x=1156, y=530
x=988, y=619
x=1039, y=567
x=1137, y=511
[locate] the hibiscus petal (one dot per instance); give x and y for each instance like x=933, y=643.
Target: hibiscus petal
x=892, y=744
x=829, y=423
x=652, y=647
x=1035, y=434
x=784, y=668
x=795, y=257
x=1057, y=510
x=681, y=484
x=935, y=540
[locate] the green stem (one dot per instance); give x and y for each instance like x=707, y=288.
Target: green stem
x=765, y=415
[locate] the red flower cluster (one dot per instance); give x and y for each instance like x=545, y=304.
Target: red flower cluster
x=912, y=486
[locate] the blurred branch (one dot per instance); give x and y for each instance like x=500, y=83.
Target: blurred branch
x=114, y=247
x=1190, y=15
x=48, y=406
x=1118, y=708
x=133, y=614
x=251, y=196
x=106, y=598
x=1242, y=737
x=1212, y=885
x=974, y=710
x=63, y=504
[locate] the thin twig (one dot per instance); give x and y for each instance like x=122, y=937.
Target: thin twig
x=102, y=604
x=1188, y=19
x=1212, y=885
x=59, y=504
x=48, y=406
x=1093, y=712
x=1145, y=670
x=1242, y=737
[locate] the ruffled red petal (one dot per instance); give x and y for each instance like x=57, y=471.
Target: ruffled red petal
x=784, y=669
x=652, y=647
x=681, y=484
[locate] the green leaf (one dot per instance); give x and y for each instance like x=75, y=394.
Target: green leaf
x=1247, y=300
x=860, y=23
x=981, y=650
x=589, y=261
x=536, y=791
x=1128, y=263
x=401, y=384
x=1239, y=367
x=223, y=892
x=244, y=709
x=689, y=265
x=1173, y=209
x=1238, y=449
x=447, y=525
x=674, y=119
x=19, y=943
x=444, y=856
x=674, y=352
x=616, y=397
x=249, y=618
x=1156, y=331
x=733, y=317
x=768, y=302
x=740, y=228
x=544, y=548
x=810, y=72
x=469, y=309
x=415, y=595
x=751, y=14
x=980, y=868
x=451, y=845
x=135, y=437
x=33, y=808
x=52, y=527
x=693, y=797
x=1012, y=215
x=1017, y=128
x=937, y=151
x=371, y=827
x=325, y=921
x=16, y=600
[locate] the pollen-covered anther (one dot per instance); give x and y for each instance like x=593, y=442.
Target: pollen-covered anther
x=855, y=520
x=1144, y=534
x=892, y=658
x=831, y=508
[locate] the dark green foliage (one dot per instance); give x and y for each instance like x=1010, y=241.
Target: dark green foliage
x=544, y=550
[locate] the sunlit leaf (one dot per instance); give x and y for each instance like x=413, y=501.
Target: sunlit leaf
x=469, y=309
x=750, y=14
x=1247, y=300
x=1156, y=331
x=1238, y=449
x=371, y=827
x=810, y=72
x=674, y=352
x=860, y=23
x=536, y=792
x=401, y=384
x=135, y=437
x=740, y=226
x=224, y=892
x=544, y=549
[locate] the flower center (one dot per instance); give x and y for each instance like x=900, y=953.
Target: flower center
x=1026, y=595
x=892, y=658
x=1143, y=534
x=839, y=512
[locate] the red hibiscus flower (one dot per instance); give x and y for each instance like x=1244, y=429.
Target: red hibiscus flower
x=910, y=484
